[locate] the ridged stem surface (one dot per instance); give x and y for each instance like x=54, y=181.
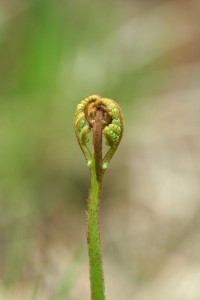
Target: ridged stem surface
x=93, y=239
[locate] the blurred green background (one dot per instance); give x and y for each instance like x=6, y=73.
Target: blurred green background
x=146, y=56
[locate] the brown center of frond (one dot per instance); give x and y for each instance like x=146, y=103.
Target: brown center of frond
x=98, y=117
x=97, y=141
x=91, y=112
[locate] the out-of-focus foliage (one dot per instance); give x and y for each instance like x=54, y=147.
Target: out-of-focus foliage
x=146, y=55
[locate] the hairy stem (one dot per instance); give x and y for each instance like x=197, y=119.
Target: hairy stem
x=102, y=116
x=93, y=232
x=93, y=239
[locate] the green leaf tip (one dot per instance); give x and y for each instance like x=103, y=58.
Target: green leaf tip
x=112, y=126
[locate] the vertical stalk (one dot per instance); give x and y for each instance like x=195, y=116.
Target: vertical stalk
x=93, y=239
x=93, y=231
x=102, y=116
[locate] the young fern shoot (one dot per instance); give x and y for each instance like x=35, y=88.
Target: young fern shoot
x=100, y=116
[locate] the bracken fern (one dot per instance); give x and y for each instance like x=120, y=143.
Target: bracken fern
x=101, y=116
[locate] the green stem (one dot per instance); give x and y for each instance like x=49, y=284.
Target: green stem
x=93, y=238
x=102, y=116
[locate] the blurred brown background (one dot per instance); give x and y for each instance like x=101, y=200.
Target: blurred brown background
x=146, y=56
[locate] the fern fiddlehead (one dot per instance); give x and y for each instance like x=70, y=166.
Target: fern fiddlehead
x=101, y=117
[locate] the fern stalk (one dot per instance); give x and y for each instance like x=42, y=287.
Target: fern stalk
x=101, y=116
